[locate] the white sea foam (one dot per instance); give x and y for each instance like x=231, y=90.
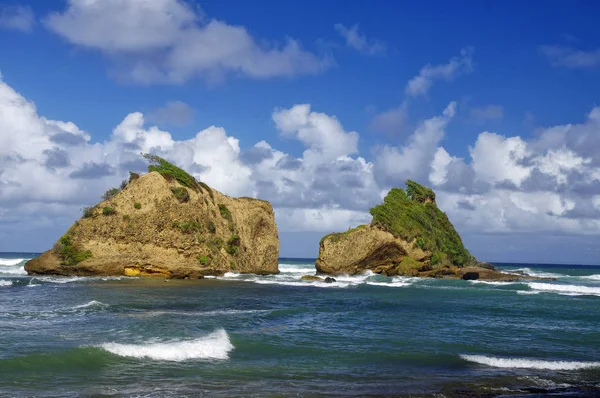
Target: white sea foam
x=492, y=282
x=296, y=270
x=539, y=274
x=6, y=283
x=527, y=292
x=203, y=313
x=522, y=363
x=231, y=275
x=390, y=284
x=59, y=279
x=301, y=283
x=11, y=261
x=592, y=277
x=213, y=346
x=570, y=290
x=92, y=303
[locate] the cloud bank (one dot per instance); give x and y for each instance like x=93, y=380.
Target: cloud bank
x=549, y=185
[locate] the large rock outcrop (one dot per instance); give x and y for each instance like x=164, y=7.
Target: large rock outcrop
x=410, y=236
x=166, y=224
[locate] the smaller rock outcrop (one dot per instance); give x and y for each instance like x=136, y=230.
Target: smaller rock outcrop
x=409, y=236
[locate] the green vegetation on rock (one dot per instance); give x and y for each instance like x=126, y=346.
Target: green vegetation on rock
x=181, y=194
x=110, y=193
x=413, y=214
x=108, y=211
x=171, y=172
x=137, y=205
x=88, y=211
x=226, y=214
x=69, y=253
x=233, y=245
x=187, y=227
x=133, y=176
x=336, y=236
x=409, y=267
x=203, y=260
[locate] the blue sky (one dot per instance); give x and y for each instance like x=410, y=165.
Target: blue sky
x=514, y=69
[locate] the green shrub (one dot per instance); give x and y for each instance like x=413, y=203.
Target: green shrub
x=233, y=245
x=412, y=214
x=212, y=228
x=88, y=211
x=187, y=227
x=68, y=253
x=137, y=205
x=110, y=193
x=181, y=194
x=233, y=265
x=123, y=184
x=133, y=176
x=204, y=260
x=170, y=171
x=409, y=267
x=226, y=214
x=109, y=211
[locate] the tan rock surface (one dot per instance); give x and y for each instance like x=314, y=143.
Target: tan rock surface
x=167, y=238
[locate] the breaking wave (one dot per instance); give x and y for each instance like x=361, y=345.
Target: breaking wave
x=571, y=290
x=213, y=346
x=522, y=363
x=5, y=283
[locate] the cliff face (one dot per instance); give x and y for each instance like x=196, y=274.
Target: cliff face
x=155, y=226
x=409, y=235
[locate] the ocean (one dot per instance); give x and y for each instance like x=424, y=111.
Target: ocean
x=247, y=335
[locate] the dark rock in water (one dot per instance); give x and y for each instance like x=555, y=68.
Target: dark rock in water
x=471, y=276
x=486, y=266
x=329, y=280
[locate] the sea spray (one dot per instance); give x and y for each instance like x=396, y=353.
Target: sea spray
x=523, y=363
x=213, y=346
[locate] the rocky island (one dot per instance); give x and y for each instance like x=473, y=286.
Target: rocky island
x=408, y=236
x=167, y=224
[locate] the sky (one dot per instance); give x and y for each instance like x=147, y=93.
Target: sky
x=318, y=107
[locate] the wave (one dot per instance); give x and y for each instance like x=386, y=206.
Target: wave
x=522, y=363
x=92, y=303
x=12, y=261
x=592, y=277
x=539, y=274
x=572, y=290
x=390, y=284
x=493, y=283
x=213, y=346
x=301, y=283
x=5, y=283
x=297, y=270
x=203, y=313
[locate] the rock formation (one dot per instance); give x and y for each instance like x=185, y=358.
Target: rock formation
x=166, y=224
x=410, y=236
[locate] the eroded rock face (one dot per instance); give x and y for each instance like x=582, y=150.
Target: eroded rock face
x=366, y=248
x=153, y=233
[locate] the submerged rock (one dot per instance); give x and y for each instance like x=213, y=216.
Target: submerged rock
x=329, y=280
x=166, y=224
x=312, y=278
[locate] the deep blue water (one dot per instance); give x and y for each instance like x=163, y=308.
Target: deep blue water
x=245, y=335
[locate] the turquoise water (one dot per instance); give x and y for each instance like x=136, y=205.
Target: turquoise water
x=245, y=335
